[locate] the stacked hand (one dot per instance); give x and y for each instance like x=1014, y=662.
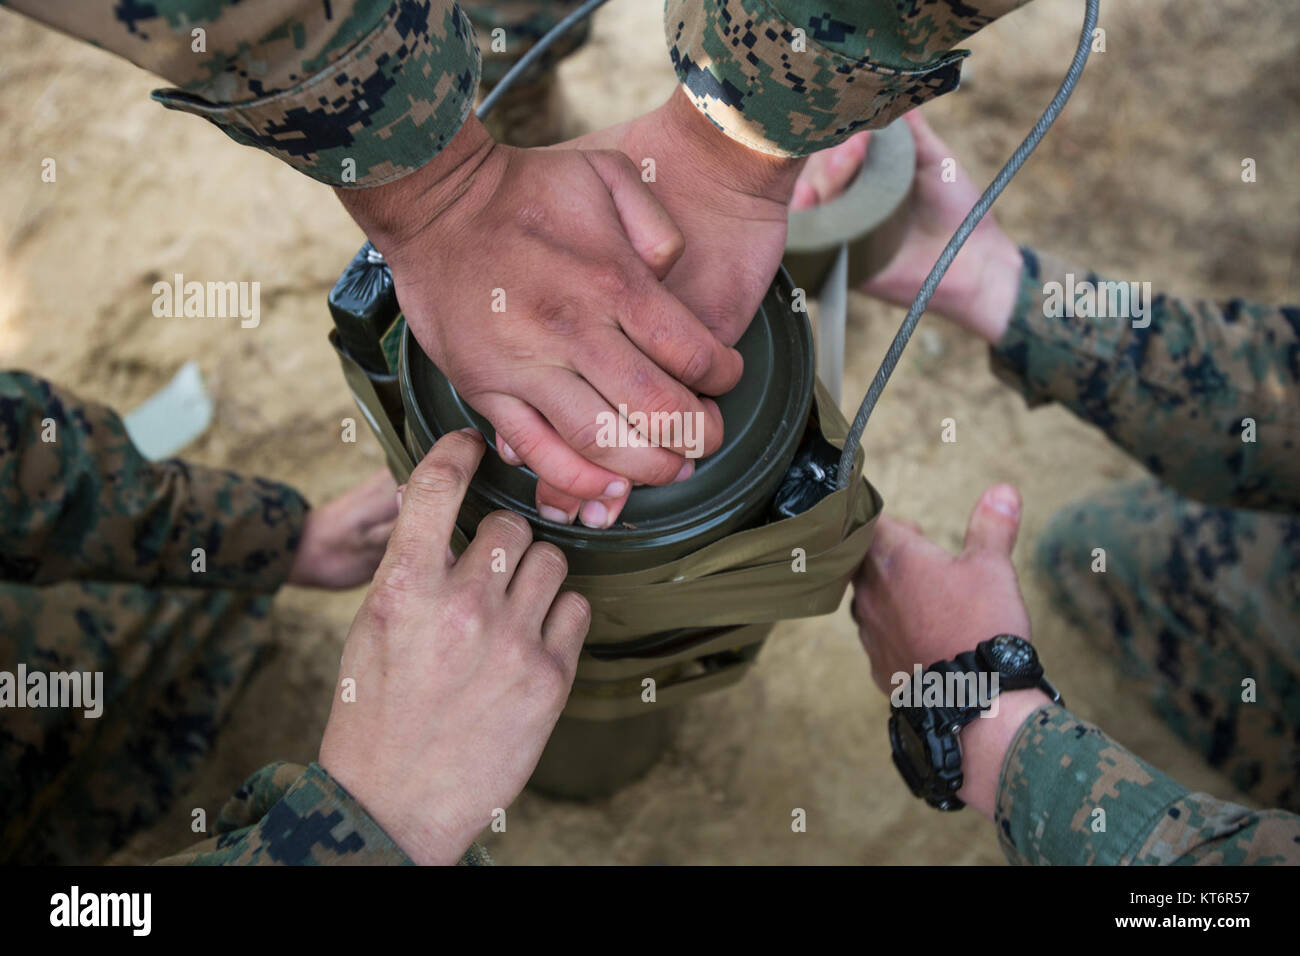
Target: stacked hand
x=729, y=201
x=533, y=279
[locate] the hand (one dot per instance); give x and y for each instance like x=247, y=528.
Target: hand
x=828, y=172
x=343, y=541
x=461, y=670
x=730, y=202
x=917, y=604
x=978, y=291
x=531, y=277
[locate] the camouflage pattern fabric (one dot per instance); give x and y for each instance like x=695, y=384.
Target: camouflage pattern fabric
x=1071, y=795
x=358, y=93
x=349, y=92
x=78, y=502
x=1200, y=598
x=287, y=814
x=98, y=574
x=1179, y=395
x=174, y=662
x=852, y=65
x=1202, y=606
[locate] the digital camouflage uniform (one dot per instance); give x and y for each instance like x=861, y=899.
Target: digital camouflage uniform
x=1200, y=596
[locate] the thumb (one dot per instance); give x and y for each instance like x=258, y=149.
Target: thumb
x=649, y=228
x=930, y=149
x=995, y=521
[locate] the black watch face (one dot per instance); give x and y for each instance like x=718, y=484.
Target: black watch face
x=912, y=745
x=1013, y=657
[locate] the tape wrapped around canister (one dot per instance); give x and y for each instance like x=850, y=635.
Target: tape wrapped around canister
x=750, y=577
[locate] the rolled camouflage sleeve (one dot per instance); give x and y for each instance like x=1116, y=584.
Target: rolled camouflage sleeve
x=1069, y=795
x=290, y=815
x=78, y=501
x=1205, y=395
x=349, y=92
x=790, y=77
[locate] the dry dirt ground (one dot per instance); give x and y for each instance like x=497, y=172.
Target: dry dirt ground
x=1140, y=178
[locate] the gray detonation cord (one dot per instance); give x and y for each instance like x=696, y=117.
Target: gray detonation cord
x=982, y=206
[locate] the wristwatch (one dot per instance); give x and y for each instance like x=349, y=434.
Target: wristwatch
x=924, y=733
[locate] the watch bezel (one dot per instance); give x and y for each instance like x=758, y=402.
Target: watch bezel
x=938, y=782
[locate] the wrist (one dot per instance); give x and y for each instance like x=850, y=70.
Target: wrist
x=727, y=160
x=985, y=742
x=410, y=819
x=390, y=214
x=987, y=308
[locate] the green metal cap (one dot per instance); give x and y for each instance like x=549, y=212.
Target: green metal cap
x=764, y=417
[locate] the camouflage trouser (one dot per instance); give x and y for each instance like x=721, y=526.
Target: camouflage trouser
x=523, y=23
x=173, y=660
x=1202, y=605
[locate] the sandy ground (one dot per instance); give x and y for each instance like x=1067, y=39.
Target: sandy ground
x=1140, y=178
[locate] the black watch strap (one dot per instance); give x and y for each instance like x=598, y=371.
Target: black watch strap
x=981, y=661
x=954, y=718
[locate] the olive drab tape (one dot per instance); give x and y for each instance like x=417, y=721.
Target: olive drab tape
x=795, y=567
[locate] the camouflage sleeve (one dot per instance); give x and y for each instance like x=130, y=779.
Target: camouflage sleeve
x=1205, y=395
x=290, y=815
x=78, y=501
x=790, y=77
x=1069, y=795
x=350, y=92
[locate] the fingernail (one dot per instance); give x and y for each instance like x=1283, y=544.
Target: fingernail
x=615, y=489
x=594, y=515
x=508, y=453
x=399, y=497
x=553, y=514
x=1004, y=501
x=687, y=469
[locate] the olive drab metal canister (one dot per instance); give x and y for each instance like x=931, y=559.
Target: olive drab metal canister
x=686, y=586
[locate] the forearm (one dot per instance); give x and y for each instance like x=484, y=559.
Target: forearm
x=352, y=93
x=1206, y=396
x=1069, y=795
x=82, y=503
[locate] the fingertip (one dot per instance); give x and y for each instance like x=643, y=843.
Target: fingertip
x=726, y=373
x=595, y=515
x=664, y=256
x=507, y=453
x=1004, y=499
x=805, y=197
x=995, y=521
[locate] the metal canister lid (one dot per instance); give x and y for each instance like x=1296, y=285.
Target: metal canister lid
x=764, y=417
